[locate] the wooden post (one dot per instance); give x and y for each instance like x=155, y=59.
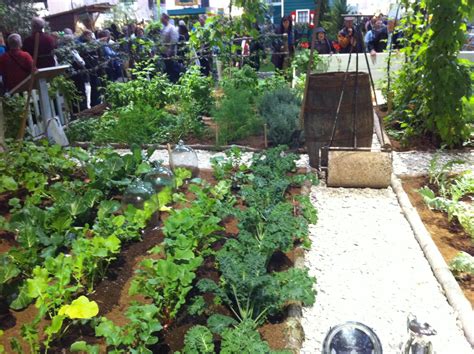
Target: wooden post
x=311, y=54
x=21, y=133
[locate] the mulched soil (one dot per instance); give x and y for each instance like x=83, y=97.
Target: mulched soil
x=450, y=238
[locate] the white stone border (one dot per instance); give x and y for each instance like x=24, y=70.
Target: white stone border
x=441, y=270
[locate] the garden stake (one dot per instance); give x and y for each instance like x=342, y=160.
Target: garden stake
x=168, y=147
x=311, y=55
x=21, y=132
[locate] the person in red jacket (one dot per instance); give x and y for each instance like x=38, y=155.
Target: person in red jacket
x=16, y=65
x=47, y=44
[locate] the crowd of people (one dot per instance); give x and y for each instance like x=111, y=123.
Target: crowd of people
x=95, y=55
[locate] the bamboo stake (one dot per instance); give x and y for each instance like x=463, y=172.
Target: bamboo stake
x=21, y=133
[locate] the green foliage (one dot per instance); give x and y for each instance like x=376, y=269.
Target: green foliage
x=13, y=108
x=65, y=86
x=280, y=110
x=197, y=306
x=334, y=21
x=136, y=335
x=462, y=264
x=253, y=297
x=236, y=116
x=194, y=92
x=301, y=60
x=166, y=282
x=82, y=346
x=67, y=231
x=243, y=339
x=240, y=79
x=86, y=129
x=450, y=191
x=433, y=84
x=198, y=340
x=147, y=88
x=217, y=323
x=16, y=15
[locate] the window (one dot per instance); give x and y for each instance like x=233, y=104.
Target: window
x=302, y=16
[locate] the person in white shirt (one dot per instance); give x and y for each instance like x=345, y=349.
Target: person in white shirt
x=169, y=39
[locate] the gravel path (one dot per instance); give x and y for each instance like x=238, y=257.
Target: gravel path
x=370, y=268
x=417, y=162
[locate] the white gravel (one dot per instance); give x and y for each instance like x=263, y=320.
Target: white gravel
x=369, y=268
x=417, y=162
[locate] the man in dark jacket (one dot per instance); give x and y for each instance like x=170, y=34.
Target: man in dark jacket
x=46, y=46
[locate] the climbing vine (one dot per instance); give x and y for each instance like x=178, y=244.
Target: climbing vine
x=432, y=84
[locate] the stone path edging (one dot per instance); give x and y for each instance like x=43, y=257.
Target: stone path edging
x=441, y=270
x=293, y=325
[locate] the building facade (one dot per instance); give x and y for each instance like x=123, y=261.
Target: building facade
x=302, y=11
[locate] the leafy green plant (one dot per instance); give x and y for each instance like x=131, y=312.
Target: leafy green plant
x=148, y=88
x=439, y=175
x=198, y=340
x=236, y=115
x=249, y=290
x=434, y=32
x=450, y=189
x=244, y=338
x=166, y=281
x=280, y=109
x=194, y=91
x=136, y=335
x=463, y=263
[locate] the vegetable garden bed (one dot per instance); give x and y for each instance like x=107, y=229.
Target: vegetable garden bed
x=182, y=284
x=449, y=237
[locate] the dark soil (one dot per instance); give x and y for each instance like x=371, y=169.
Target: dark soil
x=113, y=299
x=450, y=238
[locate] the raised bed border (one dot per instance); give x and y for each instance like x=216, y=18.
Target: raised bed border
x=294, y=328
x=443, y=274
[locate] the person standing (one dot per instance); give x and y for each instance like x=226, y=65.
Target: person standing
x=169, y=39
x=283, y=51
x=88, y=51
x=323, y=45
x=16, y=65
x=46, y=47
x=384, y=37
x=348, y=37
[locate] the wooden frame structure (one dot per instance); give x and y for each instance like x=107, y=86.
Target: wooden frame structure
x=68, y=19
